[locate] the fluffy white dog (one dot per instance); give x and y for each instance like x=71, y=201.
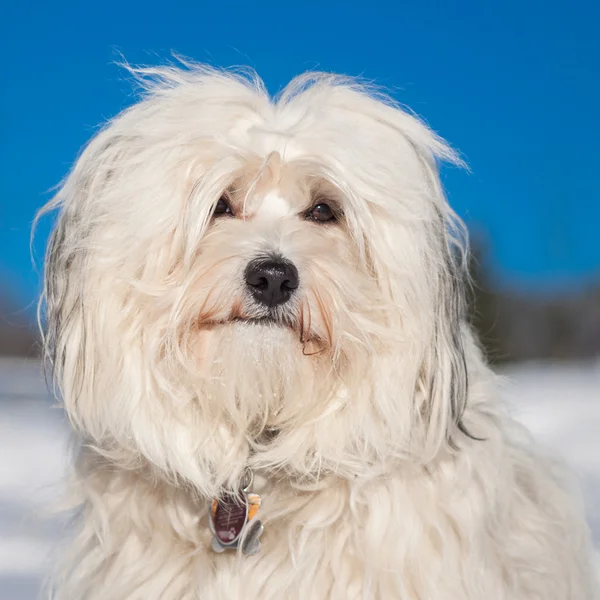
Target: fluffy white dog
x=261, y=300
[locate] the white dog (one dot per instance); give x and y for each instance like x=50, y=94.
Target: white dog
x=256, y=322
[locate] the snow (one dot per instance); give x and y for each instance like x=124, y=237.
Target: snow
x=559, y=403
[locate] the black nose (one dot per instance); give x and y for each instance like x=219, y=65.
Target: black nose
x=271, y=281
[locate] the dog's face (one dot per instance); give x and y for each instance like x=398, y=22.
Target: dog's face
x=226, y=265
x=277, y=253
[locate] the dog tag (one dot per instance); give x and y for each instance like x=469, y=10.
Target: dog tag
x=231, y=520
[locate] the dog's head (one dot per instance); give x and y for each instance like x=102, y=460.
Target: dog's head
x=226, y=265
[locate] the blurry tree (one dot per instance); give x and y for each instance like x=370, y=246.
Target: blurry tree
x=18, y=336
x=516, y=326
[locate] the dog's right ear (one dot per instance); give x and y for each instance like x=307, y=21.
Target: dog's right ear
x=65, y=312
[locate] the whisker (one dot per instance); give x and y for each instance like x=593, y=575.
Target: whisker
x=202, y=317
x=326, y=315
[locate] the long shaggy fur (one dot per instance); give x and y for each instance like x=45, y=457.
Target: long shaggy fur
x=363, y=407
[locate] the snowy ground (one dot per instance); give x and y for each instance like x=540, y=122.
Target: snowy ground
x=560, y=404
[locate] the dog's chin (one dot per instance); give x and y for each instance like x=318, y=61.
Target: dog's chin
x=264, y=331
x=270, y=335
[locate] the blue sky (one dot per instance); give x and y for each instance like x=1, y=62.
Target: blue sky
x=515, y=86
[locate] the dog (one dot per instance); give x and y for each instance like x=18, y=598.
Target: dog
x=256, y=323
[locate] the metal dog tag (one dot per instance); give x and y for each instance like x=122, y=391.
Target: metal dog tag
x=231, y=520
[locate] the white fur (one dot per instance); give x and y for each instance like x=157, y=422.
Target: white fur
x=372, y=487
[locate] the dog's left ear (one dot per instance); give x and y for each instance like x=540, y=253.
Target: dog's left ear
x=443, y=382
x=444, y=377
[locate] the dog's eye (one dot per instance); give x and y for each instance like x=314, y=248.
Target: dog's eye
x=222, y=207
x=321, y=213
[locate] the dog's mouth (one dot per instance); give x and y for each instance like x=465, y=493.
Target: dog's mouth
x=272, y=319
x=269, y=320
x=283, y=316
